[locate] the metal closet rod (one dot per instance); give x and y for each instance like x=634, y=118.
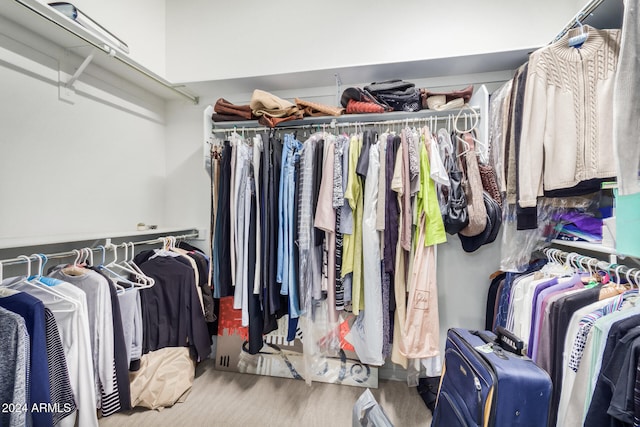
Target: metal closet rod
x=426, y=119
x=585, y=261
x=67, y=254
x=587, y=10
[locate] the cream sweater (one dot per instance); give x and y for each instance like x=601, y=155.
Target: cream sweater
x=567, y=115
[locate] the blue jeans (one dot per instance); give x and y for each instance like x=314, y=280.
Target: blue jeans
x=286, y=274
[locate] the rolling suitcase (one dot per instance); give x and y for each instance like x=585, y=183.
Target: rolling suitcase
x=483, y=384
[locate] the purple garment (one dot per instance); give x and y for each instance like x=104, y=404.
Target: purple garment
x=539, y=288
x=582, y=221
x=539, y=309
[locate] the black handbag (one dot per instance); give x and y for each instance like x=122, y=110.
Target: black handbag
x=489, y=234
x=456, y=216
x=397, y=94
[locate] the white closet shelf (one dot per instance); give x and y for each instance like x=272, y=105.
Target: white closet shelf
x=352, y=118
x=18, y=242
x=587, y=246
x=40, y=19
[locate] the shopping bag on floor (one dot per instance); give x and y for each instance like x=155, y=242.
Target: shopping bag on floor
x=368, y=413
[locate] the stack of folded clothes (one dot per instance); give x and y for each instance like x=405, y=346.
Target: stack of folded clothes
x=578, y=226
x=272, y=110
x=441, y=101
x=225, y=111
x=314, y=109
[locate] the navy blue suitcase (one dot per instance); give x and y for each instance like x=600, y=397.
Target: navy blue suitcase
x=485, y=385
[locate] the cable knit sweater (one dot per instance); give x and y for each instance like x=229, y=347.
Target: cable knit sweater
x=567, y=116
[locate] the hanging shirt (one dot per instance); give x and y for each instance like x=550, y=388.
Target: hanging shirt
x=59, y=382
x=14, y=347
x=352, y=243
x=427, y=204
x=325, y=219
x=100, y=315
x=32, y=310
x=73, y=327
x=171, y=311
x=366, y=335
x=131, y=311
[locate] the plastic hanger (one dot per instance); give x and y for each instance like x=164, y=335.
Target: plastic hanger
x=114, y=275
x=141, y=279
x=630, y=282
x=636, y=277
x=474, y=120
x=578, y=40
x=75, y=269
x=35, y=286
x=149, y=281
x=467, y=147
x=146, y=281
x=555, y=266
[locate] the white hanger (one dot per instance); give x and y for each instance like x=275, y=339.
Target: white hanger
x=474, y=122
x=636, y=277
x=628, y=276
x=149, y=281
x=113, y=264
x=578, y=40
x=38, y=286
x=74, y=269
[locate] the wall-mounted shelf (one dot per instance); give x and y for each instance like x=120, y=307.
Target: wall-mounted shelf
x=587, y=246
x=349, y=118
x=40, y=19
x=22, y=242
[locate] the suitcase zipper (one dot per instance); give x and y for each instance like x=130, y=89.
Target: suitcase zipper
x=487, y=365
x=476, y=381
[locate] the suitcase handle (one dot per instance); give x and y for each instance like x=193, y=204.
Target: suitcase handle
x=504, y=339
x=509, y=341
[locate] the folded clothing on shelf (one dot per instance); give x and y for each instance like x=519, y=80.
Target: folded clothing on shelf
x=441, y=101
x=314, y=109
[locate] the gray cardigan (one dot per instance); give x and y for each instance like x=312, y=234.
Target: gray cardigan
x=626, y=109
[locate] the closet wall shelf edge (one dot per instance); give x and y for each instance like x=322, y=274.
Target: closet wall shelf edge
x=349, y=118
x=19, y=242
x=593, y=247
x=40, y=19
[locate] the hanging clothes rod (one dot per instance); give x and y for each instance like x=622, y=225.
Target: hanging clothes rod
x=452, y=115
x=574, y=258
x=109, y=246
x=587, y=10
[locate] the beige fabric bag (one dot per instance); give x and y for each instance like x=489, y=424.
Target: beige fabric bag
x=473, y=190
x=421, y=331
x=265, y=103
x=164, y=377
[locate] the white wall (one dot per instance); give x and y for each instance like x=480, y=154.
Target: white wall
x=91, y=166
x=253, y=38
x=141, y=24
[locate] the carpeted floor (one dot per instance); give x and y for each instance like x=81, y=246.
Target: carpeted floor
x=229, y=399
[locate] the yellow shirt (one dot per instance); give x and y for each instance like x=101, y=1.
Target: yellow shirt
x=427, y=203
x=352, y=243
